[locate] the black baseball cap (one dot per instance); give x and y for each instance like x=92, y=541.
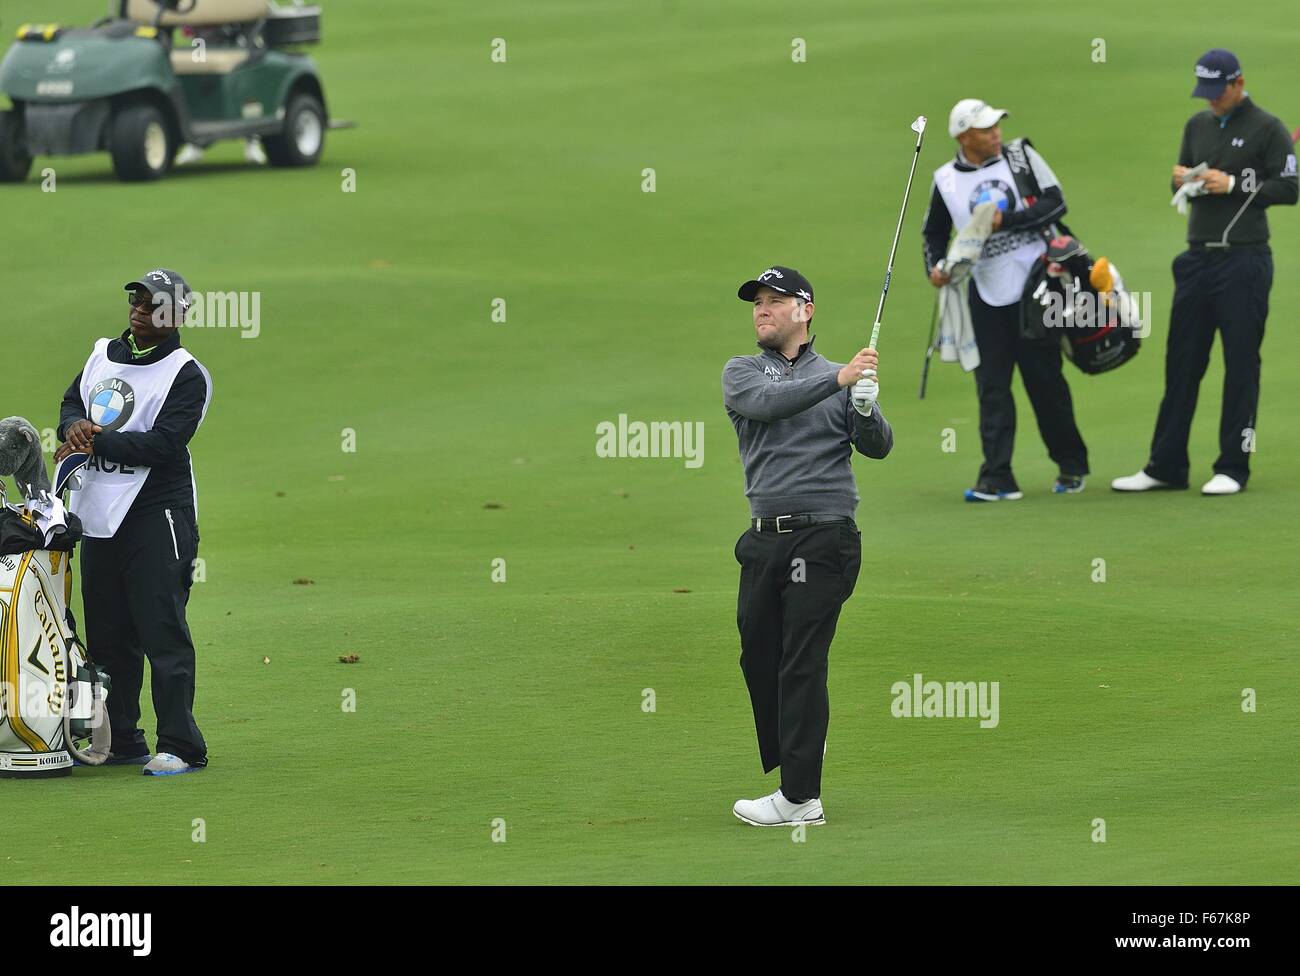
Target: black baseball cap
x=1214, y=69
x=787, y=281
x=162, y=281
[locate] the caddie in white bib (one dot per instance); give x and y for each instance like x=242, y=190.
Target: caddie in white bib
x=1002, y=202
x=121, y=397
x=132, y=412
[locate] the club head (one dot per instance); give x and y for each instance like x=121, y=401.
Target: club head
x=919, y=125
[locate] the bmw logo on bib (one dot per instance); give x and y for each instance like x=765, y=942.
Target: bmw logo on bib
x=994, y=191
x=111, y=404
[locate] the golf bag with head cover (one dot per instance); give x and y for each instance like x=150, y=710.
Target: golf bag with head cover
x=1084, y=302
x=52, y=696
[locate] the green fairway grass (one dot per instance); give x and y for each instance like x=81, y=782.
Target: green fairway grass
x=515, y=708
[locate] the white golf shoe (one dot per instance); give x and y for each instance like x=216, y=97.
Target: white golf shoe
x=1221, y=484
x=166, y=764
x=775, y=810
x=188, y=155
x=1138, y=482
x=254, y=153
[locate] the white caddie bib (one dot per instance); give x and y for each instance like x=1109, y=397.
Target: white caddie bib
x=122, y=397
x=1008, y=256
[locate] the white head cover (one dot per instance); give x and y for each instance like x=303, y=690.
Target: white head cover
x=973, y=113
x=968, y=244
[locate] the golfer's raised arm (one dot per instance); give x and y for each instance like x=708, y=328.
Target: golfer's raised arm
x=753, y=395
x=871, y=435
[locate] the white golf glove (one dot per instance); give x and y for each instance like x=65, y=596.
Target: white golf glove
x=864, y=393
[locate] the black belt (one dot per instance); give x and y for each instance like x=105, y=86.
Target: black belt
x=1215, y=246
x=788, y=523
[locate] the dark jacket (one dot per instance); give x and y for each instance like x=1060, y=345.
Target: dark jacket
x=1250, y=140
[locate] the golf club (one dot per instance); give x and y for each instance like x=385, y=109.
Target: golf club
x=919, y=128
x=931, y=345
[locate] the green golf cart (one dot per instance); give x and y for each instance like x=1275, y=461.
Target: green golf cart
x=158, y=74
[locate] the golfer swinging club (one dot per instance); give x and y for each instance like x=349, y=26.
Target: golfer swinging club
x=797, y=417
x=133, y=408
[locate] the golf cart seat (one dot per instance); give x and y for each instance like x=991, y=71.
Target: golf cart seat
x=216, y=61
x=203, y=13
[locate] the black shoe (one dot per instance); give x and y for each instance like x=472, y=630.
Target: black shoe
x=1068, y=484
x=987, y=493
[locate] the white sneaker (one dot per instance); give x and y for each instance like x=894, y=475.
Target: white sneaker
x=1138, y=482
x=776, y=811
x=189, y=154
x=254, y=153
x=1221, y=484
x=165, y=764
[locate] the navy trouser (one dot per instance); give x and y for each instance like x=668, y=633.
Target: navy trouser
x=786, y=614
x=1224, y=290
x=134, y=588
x=997, y=333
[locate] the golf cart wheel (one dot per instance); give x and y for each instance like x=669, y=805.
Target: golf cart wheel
x=15, y=164
x=141, y=143
x=303, y=138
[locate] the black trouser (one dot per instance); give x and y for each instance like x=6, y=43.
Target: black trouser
x=134, y=588
x=1224, y=289
x=786, y=629
x=997, y=333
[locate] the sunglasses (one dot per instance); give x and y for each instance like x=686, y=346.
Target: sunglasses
x=136, y=299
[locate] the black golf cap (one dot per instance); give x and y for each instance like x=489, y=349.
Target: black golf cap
x=1214, y=70
x=787, y=281
x=162, y=281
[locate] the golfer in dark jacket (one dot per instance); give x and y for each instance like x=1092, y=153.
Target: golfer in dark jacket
x=134, y=408
x=798, y=419
x=1222, y=281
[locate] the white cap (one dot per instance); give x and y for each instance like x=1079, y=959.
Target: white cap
x=971, y=113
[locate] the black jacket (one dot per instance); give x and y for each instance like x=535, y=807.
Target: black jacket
x=1248, y=139
x=164, y=447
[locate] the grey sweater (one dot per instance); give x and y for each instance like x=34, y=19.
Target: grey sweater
x=797, y=430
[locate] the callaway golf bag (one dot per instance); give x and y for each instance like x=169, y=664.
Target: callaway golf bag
x=52, y=697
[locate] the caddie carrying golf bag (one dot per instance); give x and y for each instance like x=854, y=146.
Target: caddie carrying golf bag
x=1085, y=303
x=52, y=697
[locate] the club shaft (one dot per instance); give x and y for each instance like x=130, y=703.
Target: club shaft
x=889, y=268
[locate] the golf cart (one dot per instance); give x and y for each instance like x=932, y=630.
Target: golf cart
x=159, y=74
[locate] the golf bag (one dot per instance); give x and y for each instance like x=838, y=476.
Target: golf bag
x=1085, y=304
x=52, y=696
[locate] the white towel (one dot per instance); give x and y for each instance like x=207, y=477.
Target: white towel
x=49, y=515
x=1191, y=187
x=956, y=332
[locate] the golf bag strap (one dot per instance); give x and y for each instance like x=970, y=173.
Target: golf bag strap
x=1022, y=171
x=101, y=734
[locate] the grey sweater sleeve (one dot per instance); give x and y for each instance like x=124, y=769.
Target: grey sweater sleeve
x=747, y=391
x=872, y=436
